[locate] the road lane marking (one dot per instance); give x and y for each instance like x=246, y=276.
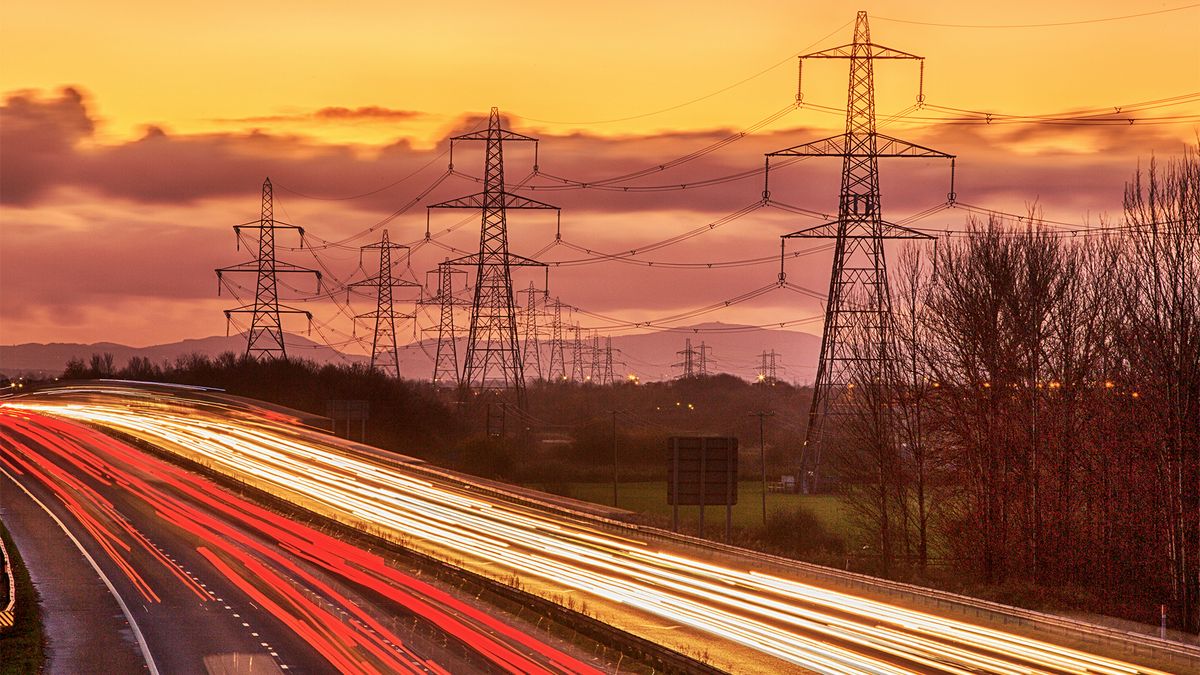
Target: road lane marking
x=137, y=632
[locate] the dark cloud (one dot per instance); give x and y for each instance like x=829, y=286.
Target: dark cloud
x=369, y=113
x=45, y=144
x=38, y=138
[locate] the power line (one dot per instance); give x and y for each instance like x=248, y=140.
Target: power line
x=1042, y=25
x=700, y=98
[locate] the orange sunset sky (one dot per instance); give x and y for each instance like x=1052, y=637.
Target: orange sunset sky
x=134, y=134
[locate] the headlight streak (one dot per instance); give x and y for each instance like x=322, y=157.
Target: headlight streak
x=771, y=614
x=227, y=550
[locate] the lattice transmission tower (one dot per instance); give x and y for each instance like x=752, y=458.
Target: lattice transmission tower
x=388, y=362
x=857, y=336
x=607, y=377
x=531, y=349
x=557, y=367
x=577, y=364
x=688, y=364
x=768, y=371
x=493, y=357
x=265, y=337
x=445, y=361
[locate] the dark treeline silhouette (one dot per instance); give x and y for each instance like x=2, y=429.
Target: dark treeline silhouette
x=405, y=416
x=1047, y=400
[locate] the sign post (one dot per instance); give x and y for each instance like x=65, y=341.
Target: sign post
x=703, y=472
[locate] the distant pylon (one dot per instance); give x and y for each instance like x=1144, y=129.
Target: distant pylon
x=703, y=359
x=385, y=311
x=265, y=338
x=557, y=369
x=531, y=354
x=594, y=367
x=769, y=368
x=492, y=343
x=577, y=356
x=858, y=317
x=608, y=361
x=445, y=362
x=689, y=359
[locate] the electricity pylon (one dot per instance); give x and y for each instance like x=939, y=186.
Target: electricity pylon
x=577, y=356
x=265, y=338
x=857, y=336
x=492, y=339
x=445, y=362
x=768, y=370
x=531, y=353
x=689, y=359
x=608, y=361
x=385, y=312
x=557, y=368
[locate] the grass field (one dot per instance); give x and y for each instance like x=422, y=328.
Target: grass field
x=651, y=498
x=22, y=645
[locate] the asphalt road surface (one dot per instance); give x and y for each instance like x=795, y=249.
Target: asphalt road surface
x=180, y=576
x=740, y=618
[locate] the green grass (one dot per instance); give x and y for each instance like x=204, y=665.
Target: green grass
x=651, y=498
x=22, y=647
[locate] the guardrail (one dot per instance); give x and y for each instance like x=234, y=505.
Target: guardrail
x=7, y=613
x=1129, y=644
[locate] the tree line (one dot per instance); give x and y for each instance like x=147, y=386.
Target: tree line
x=1039, y=421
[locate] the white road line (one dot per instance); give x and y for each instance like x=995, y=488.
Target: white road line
x=137, y=632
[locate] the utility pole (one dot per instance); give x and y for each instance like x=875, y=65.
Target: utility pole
x=557, y=369
x=762, y=455
x=445, y=362
x=265, y=338
x=385, y=312
x=492, y=340
x=858, y=318
x=531, y=350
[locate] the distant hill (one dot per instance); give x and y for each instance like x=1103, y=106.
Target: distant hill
x=50, y=359
x=731, y=348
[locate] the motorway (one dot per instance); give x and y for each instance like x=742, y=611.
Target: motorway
x=738, y=618
x=203, y=581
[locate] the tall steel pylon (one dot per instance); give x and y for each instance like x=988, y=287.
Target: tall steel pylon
x=385, y=311
x=531, y=352
x=492, y=340
x=445, y=361
x=265, y=337
x=689, y=359
x=557, y=368
x=577, y=355
x=607, y=377
x=768, y=371
x=858, y=316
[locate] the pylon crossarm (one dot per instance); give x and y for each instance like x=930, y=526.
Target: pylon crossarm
x=888, y=146
x=847, y=51
x=830, y=231
x=249, y=309
x=504, y=135
x=514, y=260
x=514, y=201
x=834, y=146
x=374, y=282
x=474, y=201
